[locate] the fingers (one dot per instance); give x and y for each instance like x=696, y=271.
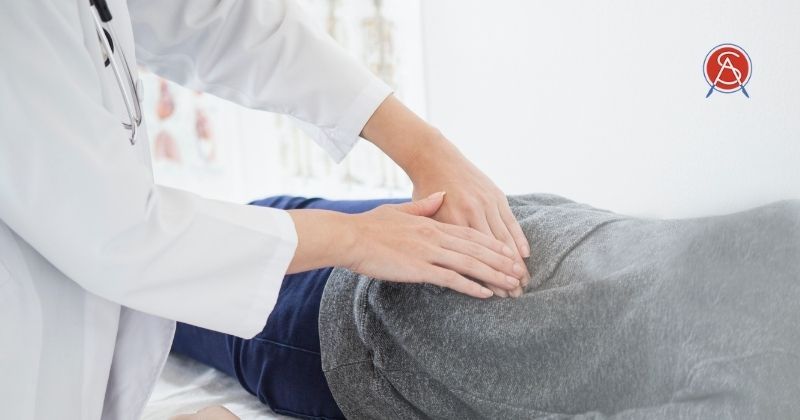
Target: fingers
x=519, y=237
x=488, y=250
x=503, y=293
x=516, y=231
x=496, y=261
x=502, y=233
x=501, y=262
x=499, y=229
x=478, y=222
x=426, y=207
x=475, y=268
x=443, y=277
x=486, y=240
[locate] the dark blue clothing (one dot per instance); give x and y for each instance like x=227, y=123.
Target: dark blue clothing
x=281, y=365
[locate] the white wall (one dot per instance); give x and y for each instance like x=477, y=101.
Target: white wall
x=604, y=101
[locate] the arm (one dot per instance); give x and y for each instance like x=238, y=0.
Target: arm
x=434, y=164
x=263, y=54
x=394, y=243
x=73, y=188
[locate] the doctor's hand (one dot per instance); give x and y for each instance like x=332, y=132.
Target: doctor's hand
x=401, y=243
x=472, y=200
x=434, y=164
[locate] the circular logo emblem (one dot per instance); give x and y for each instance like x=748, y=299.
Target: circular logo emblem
x=727, y=69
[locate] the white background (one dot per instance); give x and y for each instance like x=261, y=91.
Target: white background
x=604, y=101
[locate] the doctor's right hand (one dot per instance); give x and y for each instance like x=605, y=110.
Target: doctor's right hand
x=400, y=242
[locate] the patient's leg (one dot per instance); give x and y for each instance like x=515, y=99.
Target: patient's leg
x=634, y=319
x=280, y=365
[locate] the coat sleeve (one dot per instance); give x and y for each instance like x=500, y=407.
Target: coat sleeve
x=73, y=188
x=263, y=54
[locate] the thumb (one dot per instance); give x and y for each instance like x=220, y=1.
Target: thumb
x=426, y=207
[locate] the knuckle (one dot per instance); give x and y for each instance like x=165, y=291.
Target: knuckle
x=471, y=234
x=426, y=230
x=470, y=264
x=509, y=265
x=472, y=211
x=422, y=249
x=497, y=262
x=500, y=277
x=450, y=279
x=475, y=250
x=504, y=236
x=498, y=246
x=468, y=206
x=418, y=272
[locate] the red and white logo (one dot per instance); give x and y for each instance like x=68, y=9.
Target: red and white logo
x=727, y=69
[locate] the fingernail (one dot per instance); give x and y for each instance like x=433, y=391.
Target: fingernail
x=437, y=194
x=512, y=281
x=486, y=292
x=516, y=293
x=518, y=269
x=526, y=251
x=508, y=251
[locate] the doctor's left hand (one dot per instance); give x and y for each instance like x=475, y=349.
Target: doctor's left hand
x=472, y=200
x=401, y=243
x=434, y=164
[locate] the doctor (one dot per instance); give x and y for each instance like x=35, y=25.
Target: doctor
x=96, y=262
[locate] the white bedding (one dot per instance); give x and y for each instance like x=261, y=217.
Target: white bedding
x=186, y=386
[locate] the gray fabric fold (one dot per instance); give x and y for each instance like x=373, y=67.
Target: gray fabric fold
x=625, y=318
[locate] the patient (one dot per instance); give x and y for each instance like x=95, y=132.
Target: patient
x=624, y=318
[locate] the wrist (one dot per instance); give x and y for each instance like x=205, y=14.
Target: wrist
x=346, y=241
x=406, y=138
x=422, y=153
x=434, y=157
x=324, y=239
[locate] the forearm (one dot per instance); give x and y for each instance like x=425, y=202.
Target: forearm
x=434, y=164
x=393, y=241
x=324, y=239
x=407, y=139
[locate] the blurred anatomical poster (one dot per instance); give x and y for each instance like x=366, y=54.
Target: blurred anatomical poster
x=218, y=149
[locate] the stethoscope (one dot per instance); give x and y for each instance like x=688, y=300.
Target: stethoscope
x=130, y=94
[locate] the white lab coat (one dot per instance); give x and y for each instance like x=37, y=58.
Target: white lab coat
x=96, y=260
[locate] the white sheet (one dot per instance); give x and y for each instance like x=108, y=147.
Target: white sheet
x=186, y=386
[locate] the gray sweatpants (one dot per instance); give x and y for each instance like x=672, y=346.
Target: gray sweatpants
x=625, y=318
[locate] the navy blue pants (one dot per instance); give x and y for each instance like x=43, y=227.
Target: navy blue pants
x=281, y=365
